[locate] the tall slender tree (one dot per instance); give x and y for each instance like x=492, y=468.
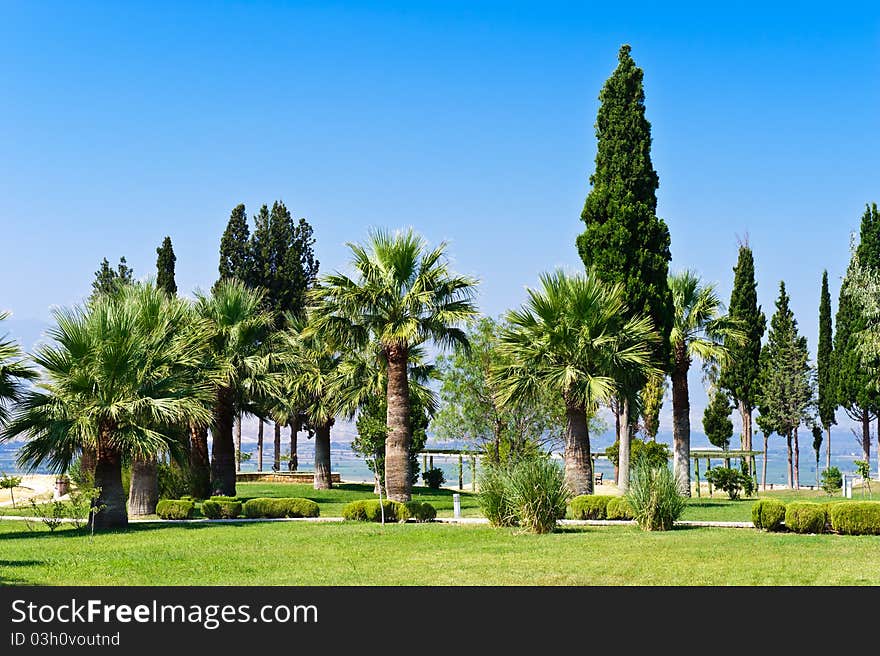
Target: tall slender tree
x=624, y=241
x=651, y=402
x=824, y=368
x=165, y=267
x=235, y=256
x=716, y=421
x=740, y=373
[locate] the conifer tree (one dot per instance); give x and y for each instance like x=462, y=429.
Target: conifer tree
x=716, y=420
x=107, y=280
x=165, y=267
x=824, y=363
x=235, y=260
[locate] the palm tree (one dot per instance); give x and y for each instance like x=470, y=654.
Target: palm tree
x=699, y=330
x=572, y=338
x=402, y=295
x=15, y=374
x=120, y=379
x=238, y=330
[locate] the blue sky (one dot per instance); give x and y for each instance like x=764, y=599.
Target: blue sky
x=471, y=121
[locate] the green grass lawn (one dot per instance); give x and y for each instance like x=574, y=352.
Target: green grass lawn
x=294, y=553
x=721, y=509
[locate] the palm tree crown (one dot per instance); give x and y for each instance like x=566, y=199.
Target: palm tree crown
x=15, y=373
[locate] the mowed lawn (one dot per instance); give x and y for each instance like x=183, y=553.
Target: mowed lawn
x=298, y=553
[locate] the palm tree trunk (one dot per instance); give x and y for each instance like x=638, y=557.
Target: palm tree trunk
x=828, y=449
x=143, y=494
x=238, y=442
x=260, y=446
x=223, y=447
x=108, y=479
x=681, y=422
x=789, y=469
x=616, y=409
x=87, y=461
x=578, y=463
x=277, y=446
x=397, y=466
x=764, y=464
x=322, y=456
x=797, y=462
x=199, y=463
x=293, y=465
x=625, y=444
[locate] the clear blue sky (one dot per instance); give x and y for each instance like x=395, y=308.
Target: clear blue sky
x=471, y=121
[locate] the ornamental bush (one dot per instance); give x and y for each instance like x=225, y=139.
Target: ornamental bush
x=433, y=478
x=654, y=498
x=732, y=481
x=832, y=481
x=368, y=510
x=272, y=508
x=856, y=517
x=222, y=498
x=537, y=494
x=768, y=514
x=805, y=517
x=221, y=509
x=175, y=509
x=589, y=506
x=421, y=511
x=492, y=498
x=618, y=508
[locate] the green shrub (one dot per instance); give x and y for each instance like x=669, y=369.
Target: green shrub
x=656, y=454
x=589, y=506
x=276, y=508
x=173, y=481
x=618, y=508
x=221, y=509
x=805, y=517
x=732, y=481
x=175, y=509
x=832, y=480
x=368, y=510
x=492, y=498
x=433, y=478
x=82, y=479
x=768, y=514
x=856, y=517
x=654, y=497
x=421, y=511
x=537, y=493
x=222, y=498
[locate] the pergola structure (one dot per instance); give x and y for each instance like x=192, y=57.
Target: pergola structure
x=716, y=454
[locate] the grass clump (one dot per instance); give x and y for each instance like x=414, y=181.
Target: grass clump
x=654, y=498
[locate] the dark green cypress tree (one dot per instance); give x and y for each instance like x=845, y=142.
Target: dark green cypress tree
x=624, y=240
x=259, y=250
x=165, y=267
x=716, y=420
x=824, y=363
x=235, y=260
x=853, y=384
x=739, y=375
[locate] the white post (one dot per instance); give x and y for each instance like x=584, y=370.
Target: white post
x=456, y=505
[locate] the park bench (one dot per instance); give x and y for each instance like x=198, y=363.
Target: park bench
x=599, y=478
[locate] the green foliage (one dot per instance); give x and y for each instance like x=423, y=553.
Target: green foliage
x=655, y=453
x=768, y=514
x=433, y=478
x=624, y=241
x=173, y=480
x=619, y=508
x=235, y=257
x=82, y=478
x=369, y=510
x=494, y=502
x=652, y=401
x=537, y=494
x=716, y=420
x=654, y=497
x=827, y=403
x=108, y=281
x=78, y=508
x=165, y=267
x=421, y=511
x=7, y=482
x=220, y=497
x=589, y=506
x=275, y=508
x=175, y=509
x=863, y=467
x=805, y=517
x=221, y=509
x=732, y=481
x=832, y=480
x=856, y=518
x=739, y=373
x=15, y=373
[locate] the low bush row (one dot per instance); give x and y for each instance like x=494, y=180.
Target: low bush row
x=846, y=518
x=269, y=508
x=221, y=509
x=175, y=509
x=369, y=510
x=596, y=506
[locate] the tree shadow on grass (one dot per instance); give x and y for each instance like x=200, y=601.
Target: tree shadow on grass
x=6, y=580
x=83, y=533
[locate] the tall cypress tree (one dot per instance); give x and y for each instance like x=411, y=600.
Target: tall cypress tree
x=825, y=375
x=165, y=267
x=235, y=259
x=716, y=421
x=740, y=373
x=853, y=382
x=624, y=240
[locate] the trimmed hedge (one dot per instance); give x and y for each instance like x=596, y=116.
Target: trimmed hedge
x=618, y=508
x=175, y=509
x=222, y=498
x=768, y=514
x=276, y=508
x=221, y=509
x=590, y=506
x=421, y=511
x=805, y=517
x=367, y=510
x=856, y=518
